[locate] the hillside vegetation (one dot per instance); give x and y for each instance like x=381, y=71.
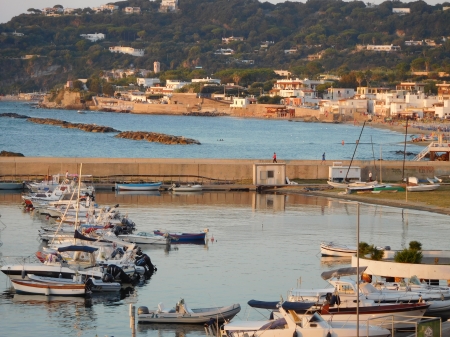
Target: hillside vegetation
x=184, y=42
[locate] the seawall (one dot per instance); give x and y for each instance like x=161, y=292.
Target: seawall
x=224, y=169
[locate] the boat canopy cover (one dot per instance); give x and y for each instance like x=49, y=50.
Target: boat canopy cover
x=297, y=306
x=85, y=249
x=326, y=275
x=78, y=235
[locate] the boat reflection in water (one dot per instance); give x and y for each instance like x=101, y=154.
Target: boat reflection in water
x=335, y=261
x=149, y=193
x=180, y=330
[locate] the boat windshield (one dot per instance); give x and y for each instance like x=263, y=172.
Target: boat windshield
x=415, y=280
x=316, y=318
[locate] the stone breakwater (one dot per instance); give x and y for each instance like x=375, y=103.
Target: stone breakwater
x=11, y=154
x=13, y=115
x=157, y=137
x=68, y=125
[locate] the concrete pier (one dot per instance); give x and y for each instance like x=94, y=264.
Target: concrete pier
x=236, y=170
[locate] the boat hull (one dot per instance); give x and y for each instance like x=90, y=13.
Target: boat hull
x=11, y=186
x=146, y=240
x=422, y=188
x=183, y=237
x=220, y=313
x=330, y=249
x=40, y=288
x=193, y=188
x=138, y=187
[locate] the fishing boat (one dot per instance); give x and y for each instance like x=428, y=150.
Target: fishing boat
x=5, y=185
x=145, y=238
x=91, y=284
x=138, y=187
x=183, y=237
x=182, y=314
x=46, y=288
x=306, y=325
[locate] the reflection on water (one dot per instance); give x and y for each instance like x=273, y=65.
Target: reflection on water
x=332, y=262
x=258, y=245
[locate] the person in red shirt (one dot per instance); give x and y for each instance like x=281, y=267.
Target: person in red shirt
x=274, y=158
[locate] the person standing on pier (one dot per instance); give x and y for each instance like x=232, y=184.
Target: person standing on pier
x=323, y=158
x=274, y=158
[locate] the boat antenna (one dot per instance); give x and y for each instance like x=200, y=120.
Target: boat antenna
x=354, y=152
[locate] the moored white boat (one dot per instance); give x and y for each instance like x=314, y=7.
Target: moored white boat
x=138, y=187
x=305, y=325
x=334, y=249
x=45, y=288
x=91, y=284
x=187, y=188
x=182, y=314
x=414, y=185
x=145, y=238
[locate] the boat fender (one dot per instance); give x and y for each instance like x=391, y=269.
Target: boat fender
x=24, y=273
x=294, y=334
x=329, y=334
x=335, y=299
x=143, y=310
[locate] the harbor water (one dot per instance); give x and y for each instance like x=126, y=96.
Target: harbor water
x=259, y=246
x=220, y=137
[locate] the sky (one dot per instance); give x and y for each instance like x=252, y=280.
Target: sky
x=9, y=9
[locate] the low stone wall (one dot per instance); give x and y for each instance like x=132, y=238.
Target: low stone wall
x=226, y=169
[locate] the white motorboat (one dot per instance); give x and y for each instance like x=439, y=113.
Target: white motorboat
x=360, y=184
x=340, y=250
x=45, y=288
x=145, y=238
x=306, y=325
x=187, y=188
x=182, y=314
x=91, y=284
x=334, y=249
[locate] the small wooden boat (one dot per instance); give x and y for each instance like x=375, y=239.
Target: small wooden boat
x=46, y=288
x=183, y=237
x=146, y=238
x=182, y=314
x=138, y=187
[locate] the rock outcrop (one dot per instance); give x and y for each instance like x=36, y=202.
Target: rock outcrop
x=11, y=154
x=68, y=125
x=157, y=138
x=13, y=115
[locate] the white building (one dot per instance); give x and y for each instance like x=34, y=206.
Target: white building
x=284, y=73
x=442, y=109
x=413, y=43
x=335, y=94
x=387, y=48
x=290, y=51
x=240, y=102
x=224, y=51
x=206, y=80
x=127, y=50
x=93, y=37
x=132, y=10
x=227, y=40
x=168, y=6
x=147, y=82
x=401, y=11
x=156, y=67
x=175, y=84
x=17, y=34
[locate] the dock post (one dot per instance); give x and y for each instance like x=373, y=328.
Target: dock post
x=132, y=320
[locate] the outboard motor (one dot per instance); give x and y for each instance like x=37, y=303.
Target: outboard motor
x=107, y=278
x=118, y=273
x=143, y=310
x=119, y=251
x=144, y=260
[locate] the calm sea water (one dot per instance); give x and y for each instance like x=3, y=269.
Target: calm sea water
x=262, y=245
x=242, y=138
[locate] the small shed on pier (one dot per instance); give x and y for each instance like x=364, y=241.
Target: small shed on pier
x=269, y=174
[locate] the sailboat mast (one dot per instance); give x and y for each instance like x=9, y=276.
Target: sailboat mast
x=354, y=152
x=404, y=150
x=78, y=201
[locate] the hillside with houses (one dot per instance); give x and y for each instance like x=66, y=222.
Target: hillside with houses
x=235, y=42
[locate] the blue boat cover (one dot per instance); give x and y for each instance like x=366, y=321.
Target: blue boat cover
x=297, y=306
x=80, y=236
x=74, y=248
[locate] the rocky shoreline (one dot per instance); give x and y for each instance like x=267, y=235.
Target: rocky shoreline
x=157, y=138
x=68, y=125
